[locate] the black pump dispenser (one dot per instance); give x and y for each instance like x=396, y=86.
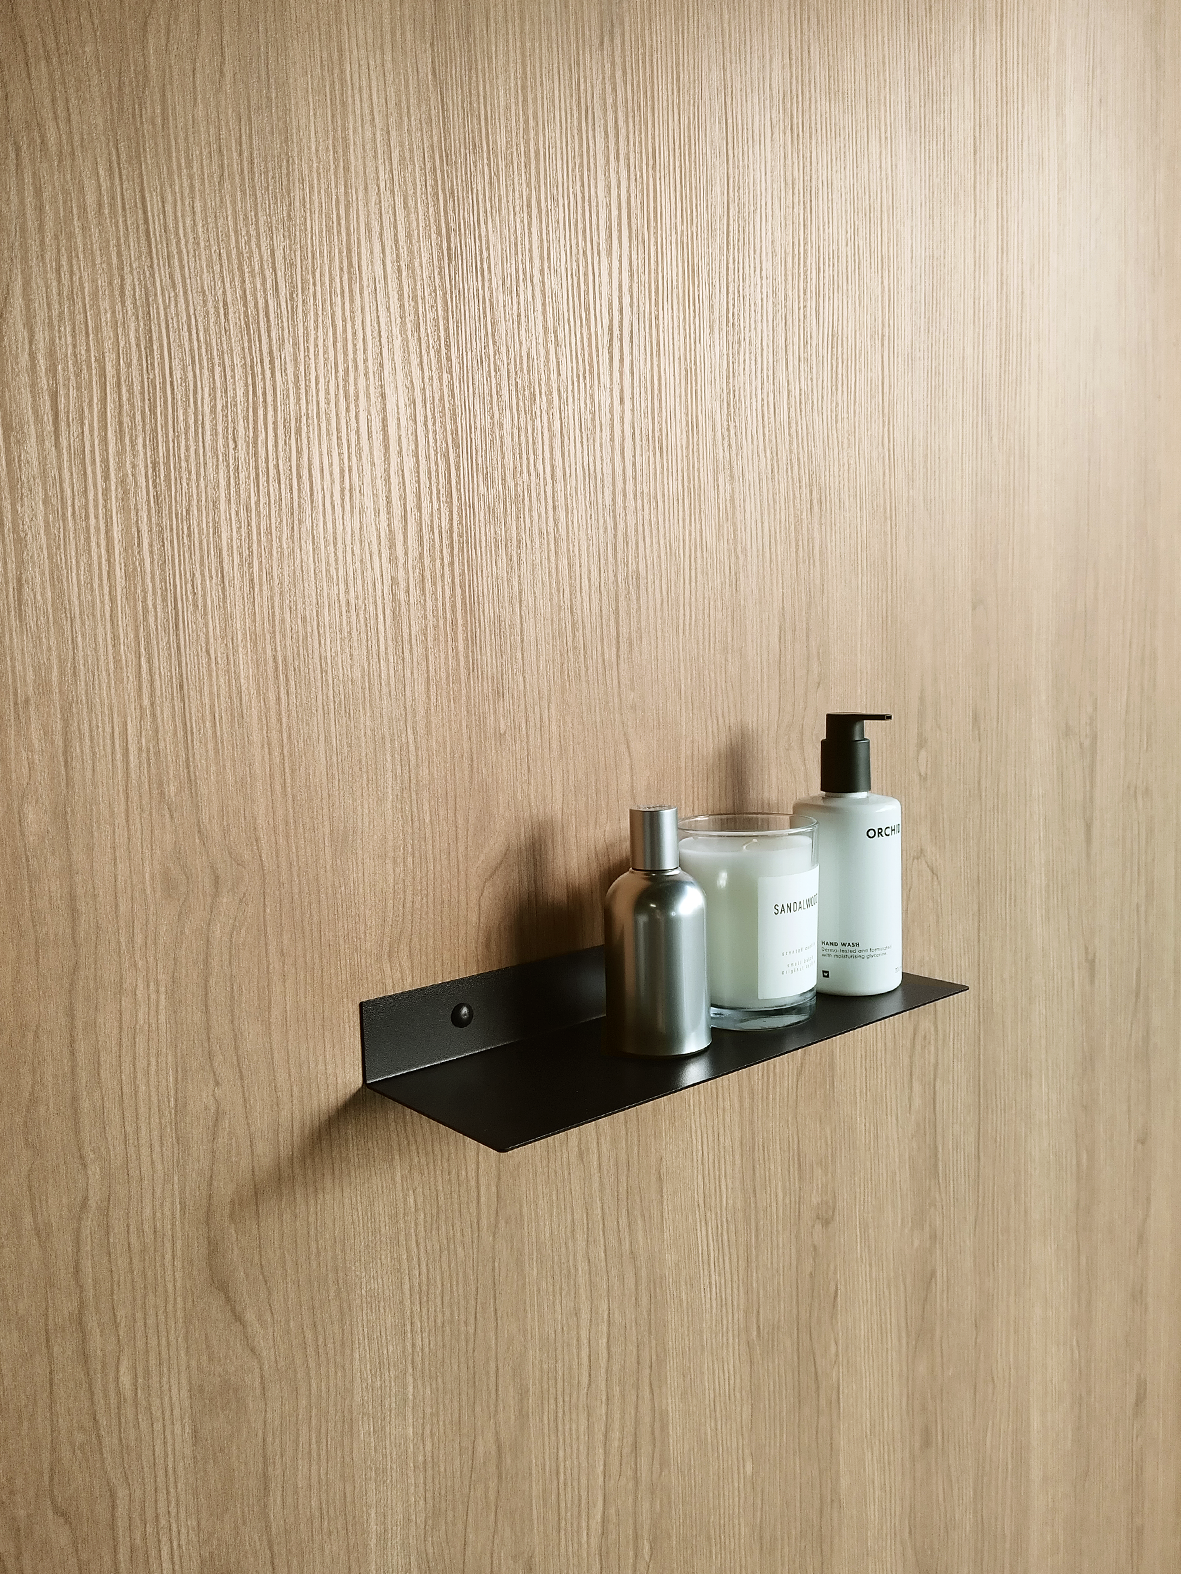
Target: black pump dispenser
x=844, y=752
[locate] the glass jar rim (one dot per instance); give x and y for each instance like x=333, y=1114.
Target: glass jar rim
x=746, y=825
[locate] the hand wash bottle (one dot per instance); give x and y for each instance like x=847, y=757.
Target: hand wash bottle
x=860, y=849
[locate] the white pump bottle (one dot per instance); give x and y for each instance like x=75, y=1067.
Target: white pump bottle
x=859, y=917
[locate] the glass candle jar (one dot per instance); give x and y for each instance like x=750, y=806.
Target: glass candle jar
x=761, y=881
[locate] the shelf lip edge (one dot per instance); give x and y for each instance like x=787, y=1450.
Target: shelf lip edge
x=479, y=1129
x=412, y=1030
x=948, y=989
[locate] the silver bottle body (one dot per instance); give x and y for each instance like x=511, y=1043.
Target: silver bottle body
x=657, y=982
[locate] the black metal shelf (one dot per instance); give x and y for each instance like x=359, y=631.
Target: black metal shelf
x=526, y=1059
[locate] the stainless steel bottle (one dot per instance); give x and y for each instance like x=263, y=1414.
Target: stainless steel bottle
x=654, y=929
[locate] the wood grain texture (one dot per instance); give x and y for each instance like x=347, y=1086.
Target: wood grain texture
x=424, y=431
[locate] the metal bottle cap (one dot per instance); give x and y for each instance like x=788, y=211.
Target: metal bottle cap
x=654, y=839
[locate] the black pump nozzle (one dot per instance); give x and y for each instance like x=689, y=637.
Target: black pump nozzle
x=844, y=752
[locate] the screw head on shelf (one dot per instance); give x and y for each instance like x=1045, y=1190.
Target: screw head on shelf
x=462, y=1015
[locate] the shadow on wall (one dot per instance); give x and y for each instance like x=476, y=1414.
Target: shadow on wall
x=734, y=775
x=553, y=915
x=352, y=1144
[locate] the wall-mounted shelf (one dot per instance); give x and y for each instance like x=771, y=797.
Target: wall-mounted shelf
x=525, y=1060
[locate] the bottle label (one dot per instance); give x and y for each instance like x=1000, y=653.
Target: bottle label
x=855, y=951
x=788, y=905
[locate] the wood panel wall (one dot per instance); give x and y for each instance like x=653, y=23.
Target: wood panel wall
x=424, y=431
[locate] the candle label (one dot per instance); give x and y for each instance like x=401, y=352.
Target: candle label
x=787, y=933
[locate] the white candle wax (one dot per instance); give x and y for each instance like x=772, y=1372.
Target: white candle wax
x=759, y=937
